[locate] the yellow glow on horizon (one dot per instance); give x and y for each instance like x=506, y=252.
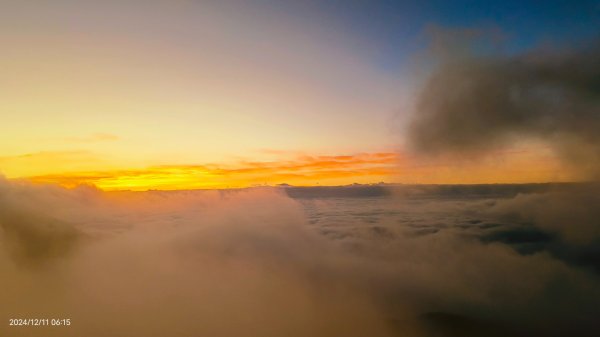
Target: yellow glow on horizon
x=521, y=166
x=107, y=94
x=302, y=171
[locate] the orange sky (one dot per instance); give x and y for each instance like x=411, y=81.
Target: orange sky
x=302, y=170
x=189, y=94
x=518, y=166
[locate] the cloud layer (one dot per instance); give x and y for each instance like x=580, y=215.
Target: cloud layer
x=258, y=263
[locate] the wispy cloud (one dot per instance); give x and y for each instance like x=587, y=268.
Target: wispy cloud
x=303, y=170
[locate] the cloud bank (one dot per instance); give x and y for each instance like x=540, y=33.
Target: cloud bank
x=259, y=263
x=473, y=103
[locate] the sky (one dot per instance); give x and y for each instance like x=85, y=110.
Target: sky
x=215, y=94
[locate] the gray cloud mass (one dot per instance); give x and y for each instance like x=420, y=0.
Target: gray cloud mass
x=476, y=102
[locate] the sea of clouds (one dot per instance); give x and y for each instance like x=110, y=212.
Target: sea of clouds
x=257, y=262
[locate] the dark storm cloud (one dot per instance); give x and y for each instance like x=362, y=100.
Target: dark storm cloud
x=473, y=102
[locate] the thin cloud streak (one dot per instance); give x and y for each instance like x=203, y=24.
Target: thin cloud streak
x=527, y=164
x=305, y=170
